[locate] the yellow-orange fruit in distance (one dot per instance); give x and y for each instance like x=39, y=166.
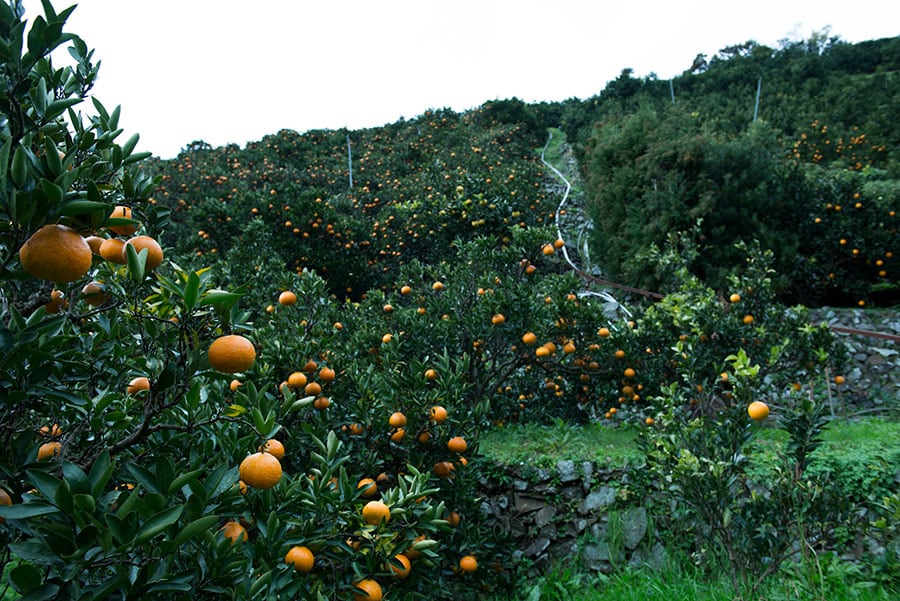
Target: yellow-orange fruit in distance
x=260, y=470
x=137, y=385
x=94, y=294
x=94, y=242
x=758, y=410
x=154, y=251
x=48, y=450
x=287, y=298
x=468, y=564
x=457, y=444
x=56, y=253
x=274, y=447
x=124, y=213
x=234, y=531
x=5, y=499
x=231, y=354
x=375, y=512
x=368, y=590
x=113, y=250
x=301, y=558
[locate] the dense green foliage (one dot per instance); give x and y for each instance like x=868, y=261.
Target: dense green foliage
x=424, y=273
x=824, y=135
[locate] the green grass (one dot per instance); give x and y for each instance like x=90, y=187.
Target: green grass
x=616, y=447
x=689, y=584
x=543, y=446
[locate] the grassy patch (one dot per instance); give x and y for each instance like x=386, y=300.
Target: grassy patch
x=543, y=446
x=566, y=582
x=617, y=447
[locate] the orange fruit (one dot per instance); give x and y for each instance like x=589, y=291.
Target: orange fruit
x=629, y=372
x=287, y=299
x=5, y=499
x=57, y=302
x=735, y=298
x=423, y=437
x=326, y=374
x=94, y=243
x=56, y=253
x=48, y=450
x=235, y=531
x=529, y=338
x=438, y=414
x=296, y=380
x=603, y=332
x=454, y=519
x=437, y=286
x=397, y=420
x=839, y=380
x=430, y=374
x=112, y=250
x=398, y=435
x=124, y=213
x=387, y=338
x=137, y=385
x=53, y=430
x=154, y=251
x=748, y=319
x=498, y=319
x=442, y=469
x=388, y=308
x=260, y=470
x=274, y=448
x=649, y=421
x=400, y=566
x=620, y=354
x=368, y=486
x=405, y=290
x=312, y=389
x=457, y=444
x=468, y=564
x=94, y=294
x=322, y=402
x=234, y=385
x=548, y=249
x=375, y=512
x=230, y=354
x=758, y=410
x=368, y=590
x=558, y=243
x=301, y=558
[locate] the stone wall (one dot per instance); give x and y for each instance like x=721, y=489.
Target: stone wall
x=568, y=512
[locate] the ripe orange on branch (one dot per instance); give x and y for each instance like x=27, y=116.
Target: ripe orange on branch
x=260, y=470
x=368, y=590
x=56, y=253
x=231, y=354
x=301, y=558
x=154, y=251
x=758, y=410
x=375, y=512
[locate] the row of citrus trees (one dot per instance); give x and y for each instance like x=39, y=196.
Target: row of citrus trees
x=162, y=437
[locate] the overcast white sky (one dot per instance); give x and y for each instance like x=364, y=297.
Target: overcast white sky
x=233, y=71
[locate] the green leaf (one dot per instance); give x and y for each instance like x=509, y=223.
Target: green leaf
x=24, y=511
x=44, y=483
x=214, y=297
x=25, y=578
x=136, y=262
x=19, y=170
x=75, y=476
x=158, y=523
x=191, y=291
x=183, y=479
x=146, y=478
x=79, y=207
x=195, y=527
x=100, y=474
x=260, y=583
x=47, y=591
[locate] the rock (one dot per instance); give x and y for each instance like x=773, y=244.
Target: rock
x=527, y=504
x=601, y=497
x=544, y=516
x=520, y=485
x=536, y=548
x=634, y=527
x=565, y=469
